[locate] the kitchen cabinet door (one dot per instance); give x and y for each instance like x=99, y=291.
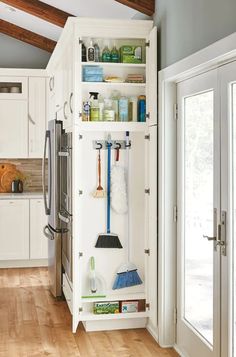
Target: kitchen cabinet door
x=37, y=116
x=14, y=223
x=38, y=242
x=14, y=128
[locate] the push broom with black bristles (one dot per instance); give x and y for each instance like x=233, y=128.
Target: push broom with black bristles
x=108, y=239
x=127, y=274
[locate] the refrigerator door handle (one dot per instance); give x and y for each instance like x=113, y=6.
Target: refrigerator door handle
x=48, y=233
x=47, y=205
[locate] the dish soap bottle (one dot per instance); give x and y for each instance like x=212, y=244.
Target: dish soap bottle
x=91, y=53
x=115, y=55
x=106, y=54
x=94, y=106
x=84, y=53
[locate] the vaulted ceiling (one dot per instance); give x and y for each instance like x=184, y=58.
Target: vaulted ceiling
x=40, y=23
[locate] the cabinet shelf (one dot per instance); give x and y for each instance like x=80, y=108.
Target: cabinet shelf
x=116, y=65
x=113, y=126
x=114, y=84
x=89, y=316
x=116, y=297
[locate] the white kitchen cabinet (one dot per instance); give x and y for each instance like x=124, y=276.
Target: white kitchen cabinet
x=37, y=116
x=14, y=223
x=38, y=242
x=14, y=128
x=143, y=173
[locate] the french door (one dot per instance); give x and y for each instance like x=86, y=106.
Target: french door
x=206, y=165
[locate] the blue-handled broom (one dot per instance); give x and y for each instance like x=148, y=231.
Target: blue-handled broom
x=127, y=274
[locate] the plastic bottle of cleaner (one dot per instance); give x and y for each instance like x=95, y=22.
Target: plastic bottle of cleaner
x=91, y=52
x=106, y=54
x=86, y=111
x=109, y=113
x=84, y=53
x=101, y=107
x=96, y=52
x=142, y=108
x=115, y=95
x=123, y=109
x=115, y=55
x=133, y=109
x=94, y=109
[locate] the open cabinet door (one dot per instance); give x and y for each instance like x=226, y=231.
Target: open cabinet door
x=152, y=231
x=152, y=77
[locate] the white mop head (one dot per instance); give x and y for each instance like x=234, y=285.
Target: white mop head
x=118, y=190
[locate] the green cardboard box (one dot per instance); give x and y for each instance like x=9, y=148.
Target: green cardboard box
x=131, y=54
x=106, y=307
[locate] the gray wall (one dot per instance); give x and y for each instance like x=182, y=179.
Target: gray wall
x=17, y=54
x=186, y=26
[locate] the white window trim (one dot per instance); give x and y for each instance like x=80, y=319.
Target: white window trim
x=213, y=56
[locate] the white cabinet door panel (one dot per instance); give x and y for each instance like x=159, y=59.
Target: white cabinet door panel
x=38, y=242
x=14, y=129
x=14, y=233
x=37, y=116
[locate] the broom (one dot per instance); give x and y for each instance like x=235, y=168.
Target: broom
x=108, y=239
x=127, y=275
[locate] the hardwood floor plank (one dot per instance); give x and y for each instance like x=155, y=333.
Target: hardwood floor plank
x=34, y=324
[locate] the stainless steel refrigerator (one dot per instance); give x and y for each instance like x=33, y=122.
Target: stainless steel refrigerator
x=58, y=203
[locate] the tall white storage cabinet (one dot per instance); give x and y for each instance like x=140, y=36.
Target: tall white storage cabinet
x=89, y=213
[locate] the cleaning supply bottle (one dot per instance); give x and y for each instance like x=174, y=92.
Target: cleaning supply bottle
x=133, y=109
x=91, y=52
x=109, y=113
x=106, y=54
x=86, y=111
x=115, y=57
x=84, y=53
x=96, y=53
x=123, y=109
x=94, y=106
x=101, y=107
x=142, y=108
x=115, y=96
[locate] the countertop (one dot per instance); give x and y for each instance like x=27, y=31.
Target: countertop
x=23, y=195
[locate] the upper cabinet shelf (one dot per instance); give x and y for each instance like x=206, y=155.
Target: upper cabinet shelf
x=116, y=65
x=114, y=84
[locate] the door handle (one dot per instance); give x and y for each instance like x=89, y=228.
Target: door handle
x=47, y=232
x=220, y=239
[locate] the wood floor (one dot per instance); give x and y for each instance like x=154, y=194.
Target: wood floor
x=33, y=324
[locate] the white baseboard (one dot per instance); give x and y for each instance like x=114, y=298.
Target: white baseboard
x=24, y=263
x=153, y=332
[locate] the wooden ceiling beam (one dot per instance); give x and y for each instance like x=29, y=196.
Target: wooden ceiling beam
x=27, y=36
x=147, y=7
x=40, y=9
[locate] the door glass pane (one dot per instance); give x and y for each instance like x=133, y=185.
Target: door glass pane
x=234, y=210
x=198, y=212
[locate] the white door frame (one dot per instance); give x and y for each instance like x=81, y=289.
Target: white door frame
x=219, y=53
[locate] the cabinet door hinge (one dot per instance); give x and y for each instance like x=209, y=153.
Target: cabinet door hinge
x=147, y=44
x=80, y=41
x=148, y=305
x=80, y=115
x=80, y=254
x=147, y=191
x=80, y=309
x=175, y=315
x=80, y=137
x=175, y=214
x=147, y=137
x=147, y=251
x=80, y=192
x=176, y=112
x=148, y=115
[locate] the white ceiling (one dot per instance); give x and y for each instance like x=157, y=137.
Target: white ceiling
x=83, y=8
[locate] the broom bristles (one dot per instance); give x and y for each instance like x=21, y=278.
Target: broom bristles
x=108, y=241
x=127, y=279
x=99, y=194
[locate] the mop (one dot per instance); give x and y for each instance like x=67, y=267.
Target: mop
x=108, y=239
x=127, y=275
x=118, y=187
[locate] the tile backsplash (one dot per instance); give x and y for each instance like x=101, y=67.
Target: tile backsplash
x=32, y=170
